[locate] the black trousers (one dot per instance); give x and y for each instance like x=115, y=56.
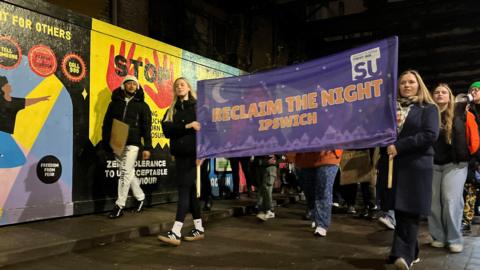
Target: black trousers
x=187, y=191
x=405, y=242
x=206, y=185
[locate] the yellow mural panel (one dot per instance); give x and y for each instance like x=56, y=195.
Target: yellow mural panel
x=29, y=122
x=116, y=52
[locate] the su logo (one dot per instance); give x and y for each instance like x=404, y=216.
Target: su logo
x=364, y=64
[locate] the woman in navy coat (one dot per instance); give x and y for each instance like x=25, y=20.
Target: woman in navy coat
x=411, y=193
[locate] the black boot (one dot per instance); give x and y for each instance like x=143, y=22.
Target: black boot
x=139, y=207
x=116, y=212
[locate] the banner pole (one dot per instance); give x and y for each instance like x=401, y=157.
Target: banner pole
x=198, y=180
x=390, y=172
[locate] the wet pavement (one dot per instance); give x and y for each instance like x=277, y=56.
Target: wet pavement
x=244, y=242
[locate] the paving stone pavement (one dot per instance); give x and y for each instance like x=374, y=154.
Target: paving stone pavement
x=234, y=241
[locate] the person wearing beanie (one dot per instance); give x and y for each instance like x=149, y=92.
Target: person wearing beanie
x=470, y=189
x=11, y=155
x=128, y=106
x=475, y=85
x=474, y=105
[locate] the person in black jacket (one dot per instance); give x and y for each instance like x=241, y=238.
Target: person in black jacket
x=128, y=105
x=453, y=150
x=180, y=126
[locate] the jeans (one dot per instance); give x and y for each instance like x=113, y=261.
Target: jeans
x=444, y=222
x=128, y=179
x=318, y=183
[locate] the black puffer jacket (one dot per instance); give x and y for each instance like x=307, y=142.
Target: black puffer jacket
x=457, y=151
x=135, y=113
x=182, y=140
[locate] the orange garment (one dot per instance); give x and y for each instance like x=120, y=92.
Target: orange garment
x=471, y=128
x=290, y=157
x=317, y=159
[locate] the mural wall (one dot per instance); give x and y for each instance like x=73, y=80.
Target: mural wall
x=56, y=80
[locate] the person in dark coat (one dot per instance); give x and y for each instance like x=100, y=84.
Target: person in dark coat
x=412, y=154
x=180, y=126
x=128, y=105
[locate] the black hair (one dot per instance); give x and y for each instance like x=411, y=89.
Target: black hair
x=3, y=82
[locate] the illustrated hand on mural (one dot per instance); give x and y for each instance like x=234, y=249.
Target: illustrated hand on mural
x=31, y=101
x=163, y=94
x=115, y=73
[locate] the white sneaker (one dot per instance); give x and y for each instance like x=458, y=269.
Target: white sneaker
x=455, y=248
x=386, y=222
x=262, y=216
x=401, y=264
x=417, y=260
x=269, y=214
x=319, y=231
x=437, y=244
x=314, y=225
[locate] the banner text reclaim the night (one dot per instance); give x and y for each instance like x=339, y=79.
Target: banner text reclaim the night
x=346, y=101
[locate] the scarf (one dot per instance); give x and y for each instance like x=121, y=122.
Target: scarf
x=403, y=108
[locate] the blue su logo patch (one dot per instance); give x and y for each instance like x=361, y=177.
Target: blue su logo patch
x=364, y=64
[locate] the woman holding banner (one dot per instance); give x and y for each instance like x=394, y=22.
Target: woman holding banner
x=412, y=154
x=180, y=126
x=457, y=141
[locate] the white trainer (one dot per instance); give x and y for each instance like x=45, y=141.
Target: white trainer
x=261, y=216
x=401, y=264
x=455, y=248
x=437, y=244
x=269, y=214
x=319, y=231
x=386, y=222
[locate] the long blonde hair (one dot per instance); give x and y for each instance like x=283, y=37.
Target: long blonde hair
x=423, y=95
x=191, y=95
x=447, y=113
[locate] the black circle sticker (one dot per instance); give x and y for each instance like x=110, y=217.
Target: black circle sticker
x=49, y=169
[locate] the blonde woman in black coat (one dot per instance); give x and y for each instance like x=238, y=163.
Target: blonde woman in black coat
x=180, y=126
x=412, y=155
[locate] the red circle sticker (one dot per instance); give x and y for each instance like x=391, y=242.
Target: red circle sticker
x=42, y=60
x=10, y=53
x=73, y=67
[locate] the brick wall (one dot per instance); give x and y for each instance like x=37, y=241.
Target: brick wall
x=133, y=15
x=98, y=9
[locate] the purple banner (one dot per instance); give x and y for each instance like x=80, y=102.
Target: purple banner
x=343, y=101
